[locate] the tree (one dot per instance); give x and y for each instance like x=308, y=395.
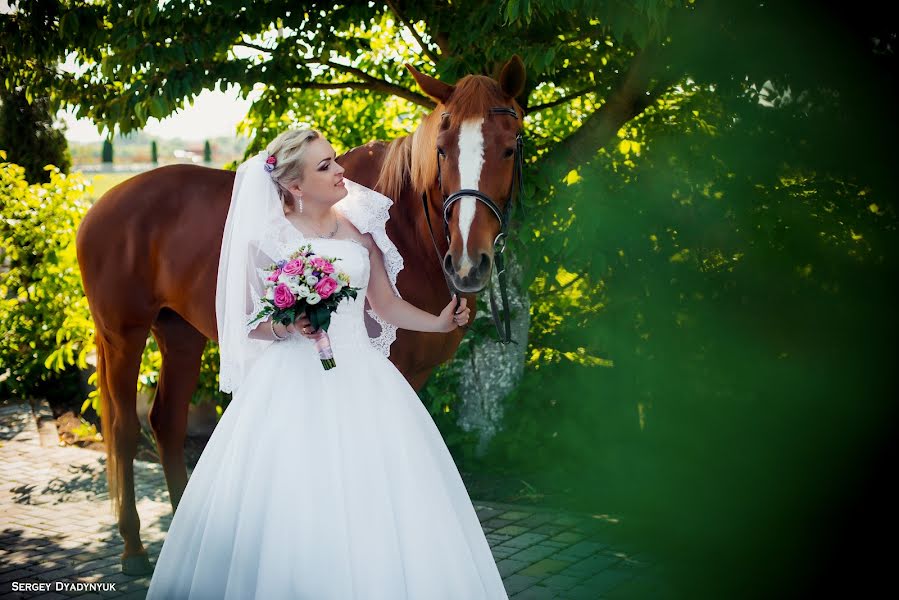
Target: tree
x=207, y=152
x=142, y=60
x=107, y=151
x=154, y=153
x=28, y=135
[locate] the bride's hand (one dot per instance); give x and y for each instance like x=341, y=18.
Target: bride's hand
x=303, y=326
x=448, y=320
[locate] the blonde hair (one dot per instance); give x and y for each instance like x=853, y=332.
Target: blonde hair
x=289, y=150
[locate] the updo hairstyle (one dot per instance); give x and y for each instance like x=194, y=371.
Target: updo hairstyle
x=289, y=149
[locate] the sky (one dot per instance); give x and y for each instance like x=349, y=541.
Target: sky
x=212, y=114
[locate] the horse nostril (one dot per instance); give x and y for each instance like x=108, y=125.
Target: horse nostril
x=448, y=263
x=483, y=265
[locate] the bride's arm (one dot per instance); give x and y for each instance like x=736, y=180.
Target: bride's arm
x=397, y=311
x=258, y=259
x=263, y=331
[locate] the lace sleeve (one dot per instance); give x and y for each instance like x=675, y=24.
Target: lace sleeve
x=257, y=260
x=369, y=211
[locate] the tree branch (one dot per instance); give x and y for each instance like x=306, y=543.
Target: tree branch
x=424, y=48
x=629, y=98
x=442, y=41
x=350, y=69
x=254, y=46
x=346, y=85
x=586, y=35
x=555, y=290
x=559, y=101
x=379, y=85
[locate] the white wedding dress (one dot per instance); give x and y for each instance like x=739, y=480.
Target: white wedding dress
x=325, y=485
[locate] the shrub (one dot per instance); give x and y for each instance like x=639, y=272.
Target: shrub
x=40, y=285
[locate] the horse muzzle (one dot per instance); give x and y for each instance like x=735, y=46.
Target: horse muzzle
x=468, y=276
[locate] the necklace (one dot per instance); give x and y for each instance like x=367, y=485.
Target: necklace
x=330, y=235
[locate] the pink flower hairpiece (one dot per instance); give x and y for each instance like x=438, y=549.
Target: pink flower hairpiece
x=270, y=163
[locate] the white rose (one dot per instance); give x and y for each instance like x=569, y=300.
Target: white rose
x=307, y=272
x=294, y=285
x=311, y=280
x=303, y=291
x=313, y=298
x=284, y=278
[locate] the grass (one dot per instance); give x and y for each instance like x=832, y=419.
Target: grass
x=102, y=182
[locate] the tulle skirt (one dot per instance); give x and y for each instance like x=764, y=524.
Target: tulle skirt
x=325, y=485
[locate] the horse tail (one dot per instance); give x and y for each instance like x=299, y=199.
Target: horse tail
x=107, y=426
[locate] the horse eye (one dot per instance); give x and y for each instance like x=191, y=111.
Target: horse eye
x=508, y=153
x=441, y=152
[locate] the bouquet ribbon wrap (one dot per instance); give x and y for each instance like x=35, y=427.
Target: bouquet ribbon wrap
x=325, y=353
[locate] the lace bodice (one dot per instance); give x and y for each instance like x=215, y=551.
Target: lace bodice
x=352, y=322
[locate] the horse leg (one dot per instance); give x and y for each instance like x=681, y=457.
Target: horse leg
x=182, y=349
x=119, y=355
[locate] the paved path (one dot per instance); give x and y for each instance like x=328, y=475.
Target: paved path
x=56, y=527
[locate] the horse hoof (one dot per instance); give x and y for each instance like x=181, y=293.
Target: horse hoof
x=137, y=565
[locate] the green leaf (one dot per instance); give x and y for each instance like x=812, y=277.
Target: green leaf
x=157, y=107
x=511, y=12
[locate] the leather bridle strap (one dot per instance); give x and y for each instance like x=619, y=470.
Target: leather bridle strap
x=449, y=283
x=499, y=244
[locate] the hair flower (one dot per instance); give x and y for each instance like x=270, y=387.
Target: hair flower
x=270, y=163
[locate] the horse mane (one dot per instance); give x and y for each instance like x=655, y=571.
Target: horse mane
x=413, y=157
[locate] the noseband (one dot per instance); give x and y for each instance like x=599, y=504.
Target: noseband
x=499, y=243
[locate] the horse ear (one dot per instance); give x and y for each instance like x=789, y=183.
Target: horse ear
x=434, y=88
x=511, y=79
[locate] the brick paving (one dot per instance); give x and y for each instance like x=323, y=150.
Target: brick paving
x=56, y=526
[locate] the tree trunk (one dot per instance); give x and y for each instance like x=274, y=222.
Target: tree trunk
x=494, y=369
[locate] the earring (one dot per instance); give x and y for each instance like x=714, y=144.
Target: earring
x=300, y=198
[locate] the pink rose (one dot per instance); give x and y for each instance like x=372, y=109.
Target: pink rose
x=284, y=298
x=274, y=276
x=322, y=265
x=294, y=267
x=325, y=287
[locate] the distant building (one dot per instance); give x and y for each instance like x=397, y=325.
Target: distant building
x=191, y=154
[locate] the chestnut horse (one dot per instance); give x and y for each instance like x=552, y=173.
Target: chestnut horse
x=149, y=249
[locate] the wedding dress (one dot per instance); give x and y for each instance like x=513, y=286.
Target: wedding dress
x=326, y=484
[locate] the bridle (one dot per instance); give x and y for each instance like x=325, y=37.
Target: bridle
x=499, y=243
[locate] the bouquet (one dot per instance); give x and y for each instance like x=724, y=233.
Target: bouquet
x=306, y=282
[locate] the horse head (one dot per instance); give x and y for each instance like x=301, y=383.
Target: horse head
x=466, y=158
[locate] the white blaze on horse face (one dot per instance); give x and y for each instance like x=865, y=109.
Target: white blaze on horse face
x=471, y=161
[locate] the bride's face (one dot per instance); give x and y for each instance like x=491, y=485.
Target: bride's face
x=322, y=179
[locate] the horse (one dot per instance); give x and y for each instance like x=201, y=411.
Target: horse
x=148, y=251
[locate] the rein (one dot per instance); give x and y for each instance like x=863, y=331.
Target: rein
x=499, y=243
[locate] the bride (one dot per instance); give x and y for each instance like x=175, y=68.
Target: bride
x=320, y=484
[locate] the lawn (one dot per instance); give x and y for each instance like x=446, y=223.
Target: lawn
x=102, y=182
